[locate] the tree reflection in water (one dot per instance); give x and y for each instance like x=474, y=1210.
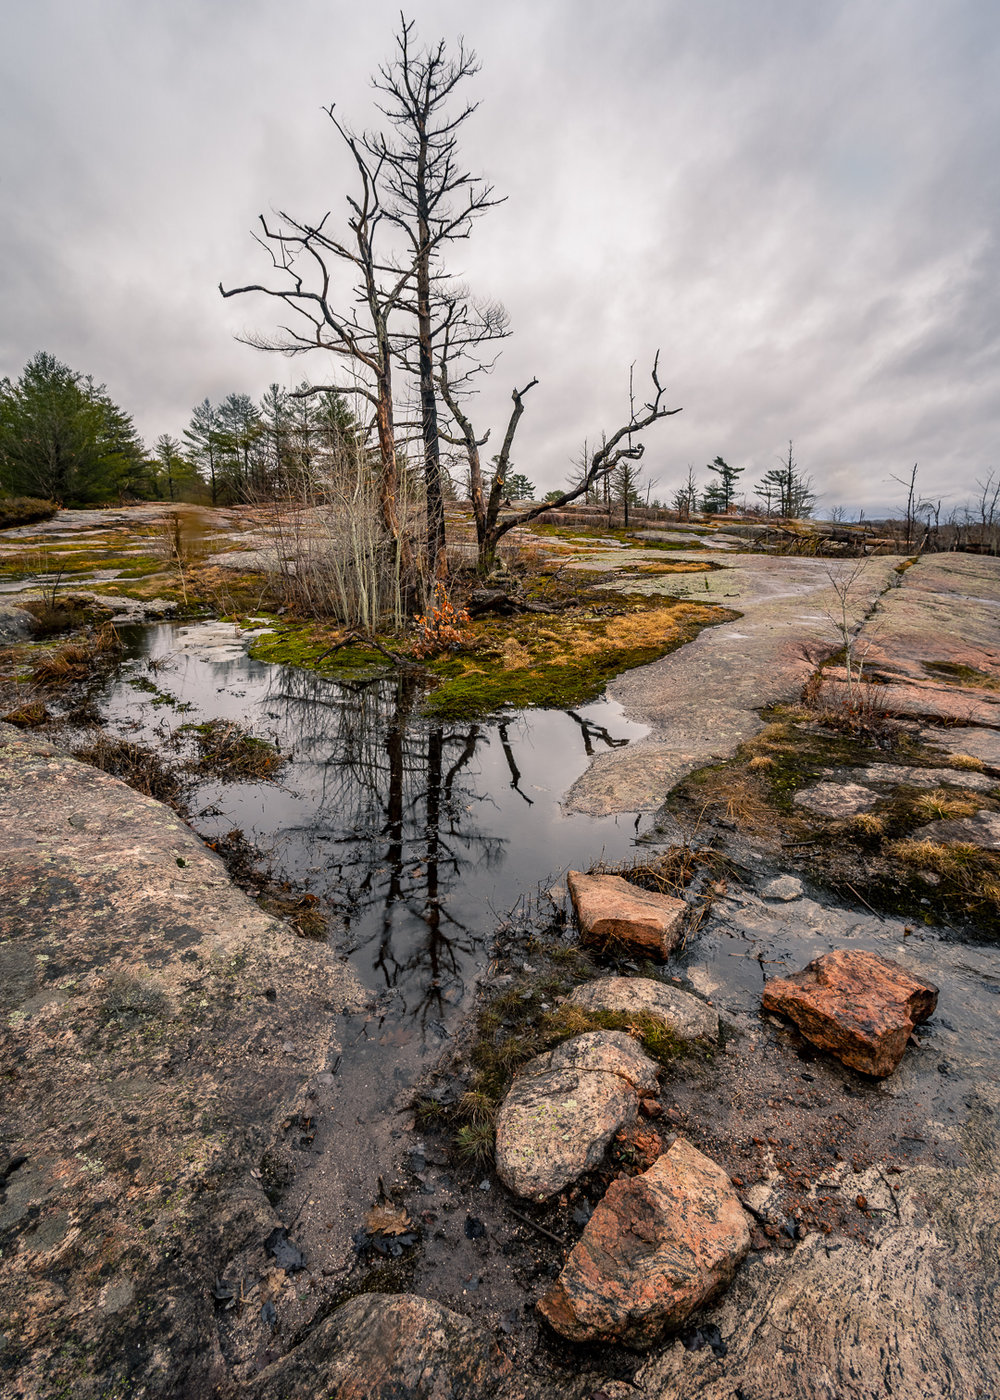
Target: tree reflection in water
x=403, y=827
x=417, y=835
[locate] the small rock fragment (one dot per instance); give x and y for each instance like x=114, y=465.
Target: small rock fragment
x=611, y=910
x=859, y=1006
x=685, y=1016
x=657, y=1247
x=784, y=887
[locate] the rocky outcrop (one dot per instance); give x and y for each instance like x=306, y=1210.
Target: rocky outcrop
x=912, y=1311
x=564, y=1108
x=685, y=1016
x=157, y=1029
x=385, y=1346
x=611, y=911
x=657, y=1247
x=859, y=1006
x=15, y=624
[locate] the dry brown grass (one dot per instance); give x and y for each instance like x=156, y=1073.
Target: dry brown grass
x=932, y=855
x=760, y=762
x=140, y=767
x=940, y=805
x=867, y=824
x=75, y=660
x=966, y=761
x=682, y=566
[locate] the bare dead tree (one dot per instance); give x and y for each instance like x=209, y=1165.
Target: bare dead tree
x=433, y=201
x=914, y=505
x=595, y=470
x=307, y=256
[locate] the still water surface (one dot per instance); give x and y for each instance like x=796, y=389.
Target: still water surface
x=416, y=836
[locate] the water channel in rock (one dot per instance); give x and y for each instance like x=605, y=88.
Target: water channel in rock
x=415, y=836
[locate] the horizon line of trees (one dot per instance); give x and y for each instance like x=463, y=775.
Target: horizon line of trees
x=63, y=439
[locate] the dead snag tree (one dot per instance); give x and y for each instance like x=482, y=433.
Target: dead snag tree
x=433, y=201
x=613, y=451
x=308, y=257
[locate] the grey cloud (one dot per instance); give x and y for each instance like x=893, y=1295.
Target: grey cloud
x=795, y=202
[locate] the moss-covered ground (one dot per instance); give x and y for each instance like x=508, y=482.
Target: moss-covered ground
x=556, y=660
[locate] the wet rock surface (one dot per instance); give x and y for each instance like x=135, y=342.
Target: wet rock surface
x=685, y=1016
x=704, y=700
x=159, y=1030
x=564, y=1107
x=383, y=1346
x=860, y=1007
x=657, y=1247
x=610, y=911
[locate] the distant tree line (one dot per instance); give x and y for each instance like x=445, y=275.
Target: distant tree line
x=62, y=438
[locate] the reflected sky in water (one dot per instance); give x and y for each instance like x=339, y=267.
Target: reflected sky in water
x=416, y=836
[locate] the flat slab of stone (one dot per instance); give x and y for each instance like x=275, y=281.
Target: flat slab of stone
x=157, y=1029
x=564, y=1107
x=923, y=699
x=686, y=1016
x=388, y=1346
x=898, y=775
x=983, y=744
x=836, y=800
x=857, y=1005
x=982, y=830
x=612, y=911
x=657, y=1247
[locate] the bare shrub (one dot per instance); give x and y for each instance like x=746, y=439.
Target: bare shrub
x=332, y=555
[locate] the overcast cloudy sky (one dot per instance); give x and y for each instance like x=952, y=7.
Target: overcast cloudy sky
x=796, y=200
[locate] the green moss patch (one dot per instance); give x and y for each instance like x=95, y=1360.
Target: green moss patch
x=563, y=662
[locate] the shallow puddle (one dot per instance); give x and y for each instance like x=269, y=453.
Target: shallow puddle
x=417, y=837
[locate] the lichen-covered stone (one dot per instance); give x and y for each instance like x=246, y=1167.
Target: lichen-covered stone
x=657, y=1247
x=564, y=1108
x=981, y=830
x=837, y=800
x=156, y=1030
x=685, y=1016
x=388, y=1346
x=859, y=1006
x=611, y=910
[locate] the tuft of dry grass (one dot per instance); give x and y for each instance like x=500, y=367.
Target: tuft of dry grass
x=140, y=767
x=27, y=716
x=966, y=761
x=941, y=805
x=75, y=660
x=226, y=750
x=867, y=824
x=668, y=873
x=759, y=762
x=947, y=859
